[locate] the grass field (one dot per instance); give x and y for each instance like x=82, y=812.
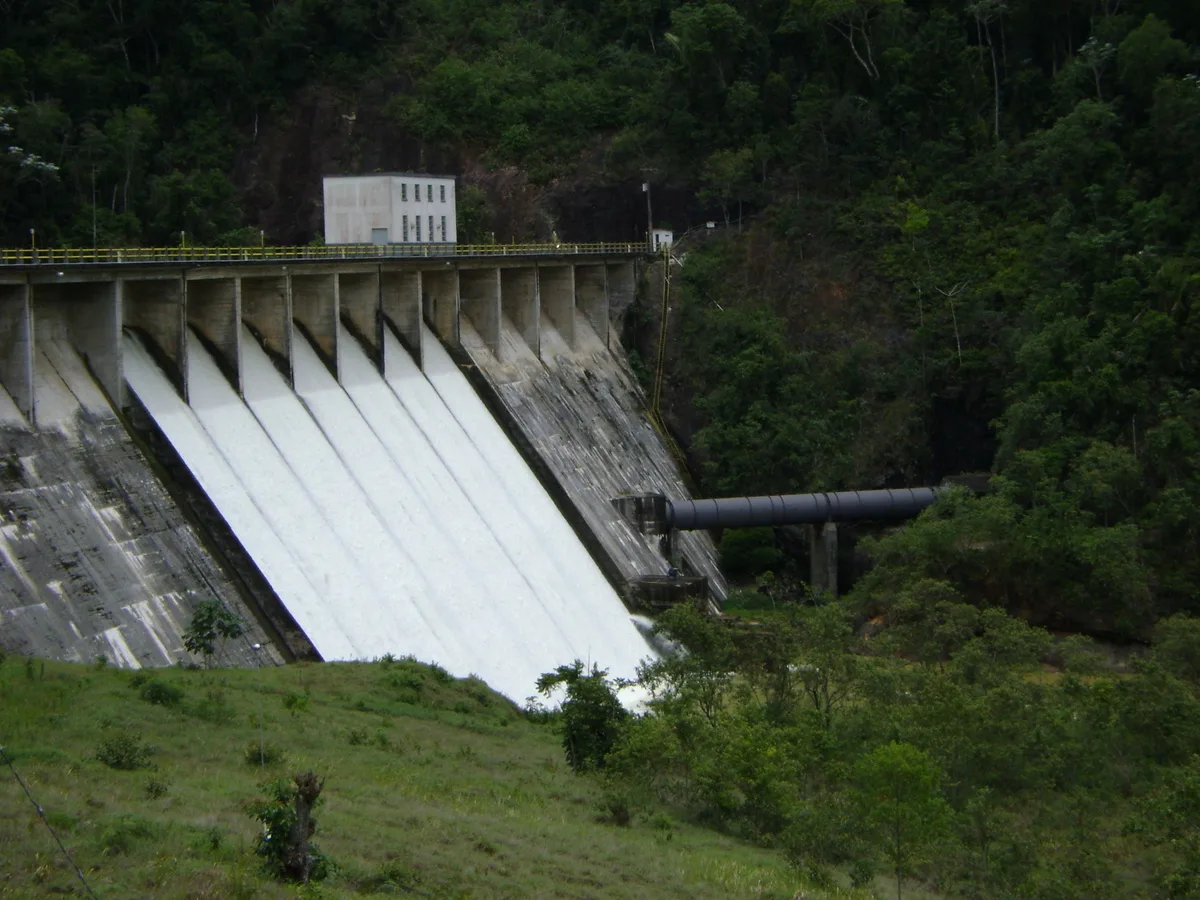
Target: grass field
x=435, y=787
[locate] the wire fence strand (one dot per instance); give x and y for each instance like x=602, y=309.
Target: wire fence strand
x=42, y=815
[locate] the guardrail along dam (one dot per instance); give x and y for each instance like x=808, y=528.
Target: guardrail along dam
x=359, y=456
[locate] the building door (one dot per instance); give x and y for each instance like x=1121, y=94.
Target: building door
x=379, y=236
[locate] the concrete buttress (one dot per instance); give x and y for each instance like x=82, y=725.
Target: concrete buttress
x=16, y=345
x=480, y=293
x=214, y=312
x=400, y=302
x=556, y=287
x=520, y=305
x=591, y=296
x=315, y=312
x=267, y=311
x=154, y=308
x=358, y=299
x=440, y=301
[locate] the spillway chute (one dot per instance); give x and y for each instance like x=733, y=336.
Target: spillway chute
x=391, y=516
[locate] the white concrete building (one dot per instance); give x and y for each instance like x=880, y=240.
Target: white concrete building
x=390, y=208
x=660, y=238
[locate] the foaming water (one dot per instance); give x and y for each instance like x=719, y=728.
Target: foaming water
x=392, y=516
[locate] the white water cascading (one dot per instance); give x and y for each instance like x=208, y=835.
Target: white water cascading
x=391, y=516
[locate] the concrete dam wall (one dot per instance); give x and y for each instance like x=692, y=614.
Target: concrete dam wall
x=96, y=559
x=555, y=363
x=349, y=461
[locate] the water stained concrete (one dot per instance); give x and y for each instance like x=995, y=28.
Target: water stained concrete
x=579, y=408
x=96, y=559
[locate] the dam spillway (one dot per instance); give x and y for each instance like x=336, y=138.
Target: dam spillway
x=377, y=455
x=390, y=515
x=96, y=559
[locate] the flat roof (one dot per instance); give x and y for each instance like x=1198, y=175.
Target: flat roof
x=393, y=175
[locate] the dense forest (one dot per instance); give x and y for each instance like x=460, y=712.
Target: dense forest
x=954, y=236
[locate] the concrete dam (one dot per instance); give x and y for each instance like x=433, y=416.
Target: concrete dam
x=331, y=449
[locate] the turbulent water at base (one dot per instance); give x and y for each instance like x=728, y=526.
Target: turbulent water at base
x=391, y=516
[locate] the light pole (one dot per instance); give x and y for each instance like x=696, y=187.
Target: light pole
x=93, y=207
x=261, y=746
x=649, y=215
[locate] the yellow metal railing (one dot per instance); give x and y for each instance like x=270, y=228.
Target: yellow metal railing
x=106, y=255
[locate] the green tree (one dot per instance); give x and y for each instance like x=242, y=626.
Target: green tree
x=897, y=789
x=212, y=622
x=592, y=715
x=728, y=179
x=1177, y=646
x=1146, y=54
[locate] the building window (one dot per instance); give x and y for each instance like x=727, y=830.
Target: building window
x=442, y=190
x=418, y=218
x=429, y=192
x=403, y=192
x=404, y=226
x=417, y=192
x=431, y=237
x=444, y=228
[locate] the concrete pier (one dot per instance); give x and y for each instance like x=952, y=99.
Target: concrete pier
x=400, y=303
x=358, y=299
x=479, y=290
x=622, y=288
x=214, y=311
x=440, y=302
x=267, y=310
x=315, y=305
x=591, y=297
x=155, y=308
x=520, y=304
x=16, y=346
x=556, y=288
x=823, y=557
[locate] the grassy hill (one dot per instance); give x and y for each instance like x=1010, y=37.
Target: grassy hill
x=435, y=787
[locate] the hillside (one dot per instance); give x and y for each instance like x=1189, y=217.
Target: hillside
x=435, y=788
x=953, y=236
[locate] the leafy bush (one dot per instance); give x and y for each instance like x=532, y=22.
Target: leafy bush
x=357, y=737
x=160, y=693
x=263, y=754
x=295, y=703
x=119, y=837
x=214, y=708
x=391, y=879
x=592, y=716
x=1177, y=646
x=156, y=789
x=617, y=804
x=747, y=552
x=126, y=752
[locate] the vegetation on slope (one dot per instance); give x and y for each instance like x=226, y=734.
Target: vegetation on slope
x=435, y=787
x=945, y=753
